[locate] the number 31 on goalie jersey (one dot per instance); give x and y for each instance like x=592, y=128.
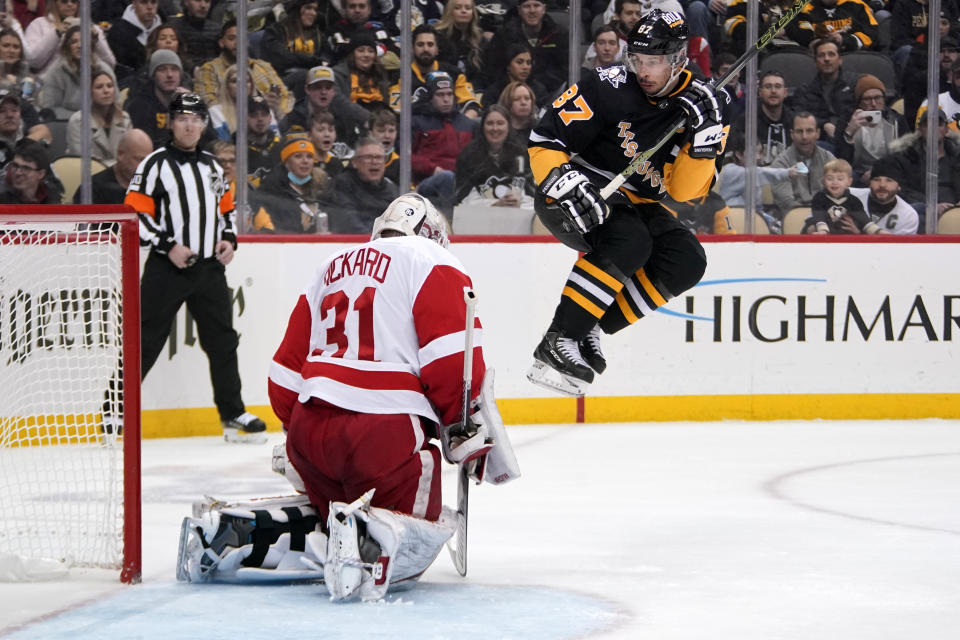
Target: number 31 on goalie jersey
x=579, y=110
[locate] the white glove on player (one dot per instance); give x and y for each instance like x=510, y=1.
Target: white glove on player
x=577, y=197
x=701, y=103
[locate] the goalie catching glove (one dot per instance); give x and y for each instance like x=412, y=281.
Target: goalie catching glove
x=701, y=103
x=576, y=196
x=483, y=442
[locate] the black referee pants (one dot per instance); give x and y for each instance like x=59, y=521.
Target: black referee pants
x=163, y=289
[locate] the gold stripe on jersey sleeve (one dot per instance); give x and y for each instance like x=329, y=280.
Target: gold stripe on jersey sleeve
x=579, y=298
x=651, y=290
x=599, y=274
x=542, y=160
x=689, y=178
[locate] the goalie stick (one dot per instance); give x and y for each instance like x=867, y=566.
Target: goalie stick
x=741, y=62
x=459, y=552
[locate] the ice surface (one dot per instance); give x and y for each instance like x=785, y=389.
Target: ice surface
x=782, y=530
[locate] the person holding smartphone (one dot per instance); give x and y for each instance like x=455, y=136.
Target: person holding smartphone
x=869, y=130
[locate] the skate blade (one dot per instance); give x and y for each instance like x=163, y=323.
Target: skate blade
x=188, y=542
x=235, y=435
x=550, y=378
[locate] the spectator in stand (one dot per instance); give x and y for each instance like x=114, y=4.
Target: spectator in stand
x=519, y=68
x=286, y=201
x=360, y=75
x=108, y=121
x=61, y=91
x=15, y=73
x=425, y=51
x=461, y=39
x=626, y=15
x=148, y=104
x=264, y=144
x=722, y=63
x=208, y=77
x=949, y=100
x=322, y=95
x=774, y=119
x=493, y=168
x=910, y=154
x=128, y=35
x=43, y=36
x=226, y=154
x=887, y=209
x=25, y=177
x=908, y=27
x=732, y=181
x=548, y=41
x=799, y=189
x=606, y=50
x=323, y=135
x=110, y=185
x=356, y=19
x=735, y=23
x=26, y=11
x=223, y=112
x=913, y=81
x=849, y=24
x=383, y=127
x=357, y=196
x=165, y=38
x=110, y=11
x=521, y=104
x=867, y=135
x=295, y=44
x=197, y=31
x=834, y=209
x=14, y=126
x=829, y=96
x=440, y=133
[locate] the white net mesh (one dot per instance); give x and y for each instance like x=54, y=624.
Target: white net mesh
x=61, y=459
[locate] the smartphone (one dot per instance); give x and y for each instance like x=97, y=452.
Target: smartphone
x=873, y=116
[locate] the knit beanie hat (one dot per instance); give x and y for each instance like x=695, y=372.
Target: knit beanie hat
x=294, y=143
x=161, y=57
x=887, y=167
x=866, y=82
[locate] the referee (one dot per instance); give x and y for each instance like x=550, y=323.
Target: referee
x=187, y=219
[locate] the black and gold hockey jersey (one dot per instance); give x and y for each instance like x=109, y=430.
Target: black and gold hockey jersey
x=602, y=122
x=852, y=19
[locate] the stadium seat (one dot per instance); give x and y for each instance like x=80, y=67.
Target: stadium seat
x=796, y=65
x=883, y=33
x=737, y=219
x=877, y=64
x=69, y=169
x=793, y=221
x=58, y=129
x=949, y=222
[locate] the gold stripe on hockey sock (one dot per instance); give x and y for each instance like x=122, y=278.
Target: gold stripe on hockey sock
x=582, y=301
x=651, y=291
x=599, y=274
x=625, y=308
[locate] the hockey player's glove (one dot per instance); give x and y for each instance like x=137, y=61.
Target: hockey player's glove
x=576, y=196
x=702, y=104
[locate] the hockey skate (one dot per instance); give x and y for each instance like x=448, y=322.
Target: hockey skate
x=559, y=366
x=590, y=350
x=354, y=564
x=246, y=428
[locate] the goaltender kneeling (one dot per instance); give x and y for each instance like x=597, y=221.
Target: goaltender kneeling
x=371, y=363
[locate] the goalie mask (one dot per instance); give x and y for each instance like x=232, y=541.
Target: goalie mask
x=659, y=33
x=412, y=215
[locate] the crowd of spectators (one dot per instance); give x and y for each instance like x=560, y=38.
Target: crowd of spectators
x=323, y=85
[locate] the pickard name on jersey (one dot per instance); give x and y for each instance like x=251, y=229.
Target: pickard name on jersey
x=606, y=119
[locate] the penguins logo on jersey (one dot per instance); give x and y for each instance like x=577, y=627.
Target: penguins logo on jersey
x=613, y=75
x=836, y=212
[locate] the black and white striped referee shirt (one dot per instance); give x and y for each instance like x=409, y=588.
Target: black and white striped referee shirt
x=182, y=198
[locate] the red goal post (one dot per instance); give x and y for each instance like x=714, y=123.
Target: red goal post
x=70, y=405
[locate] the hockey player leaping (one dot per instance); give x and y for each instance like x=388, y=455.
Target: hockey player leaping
x=371, y=361
x=637, y=256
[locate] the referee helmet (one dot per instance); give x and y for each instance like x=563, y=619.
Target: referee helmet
x=188, y=103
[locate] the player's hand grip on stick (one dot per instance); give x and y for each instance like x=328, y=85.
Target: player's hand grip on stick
x=701, y=104
x=576, y=196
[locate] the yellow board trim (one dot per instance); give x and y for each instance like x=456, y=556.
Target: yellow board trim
x=600, y=274
x=650, y=289
x=581, y=300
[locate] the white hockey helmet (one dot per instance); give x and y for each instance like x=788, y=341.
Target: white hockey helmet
x=412, y=215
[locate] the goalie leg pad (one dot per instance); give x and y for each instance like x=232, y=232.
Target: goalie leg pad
x=281, y=464
x=235, y=544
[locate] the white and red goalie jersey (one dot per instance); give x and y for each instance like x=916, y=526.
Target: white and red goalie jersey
x=380, y=330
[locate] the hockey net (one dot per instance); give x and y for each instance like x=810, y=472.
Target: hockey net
x=69, y=405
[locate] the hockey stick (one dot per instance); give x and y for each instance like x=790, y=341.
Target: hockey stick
x=459, y=553
x=741, y=62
